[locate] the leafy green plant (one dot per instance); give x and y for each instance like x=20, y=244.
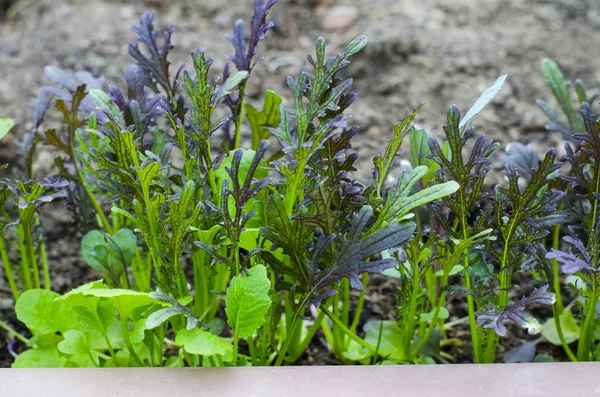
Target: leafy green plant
x=229, y=253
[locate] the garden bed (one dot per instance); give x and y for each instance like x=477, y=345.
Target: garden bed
x=321, y=290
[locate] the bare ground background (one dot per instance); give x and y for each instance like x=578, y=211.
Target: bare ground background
x=433, y=51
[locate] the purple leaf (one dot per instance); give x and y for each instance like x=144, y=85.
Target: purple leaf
x=258, y=28
x=516, y=313
x=571, y=263
x=155, y=64
x=523, y=158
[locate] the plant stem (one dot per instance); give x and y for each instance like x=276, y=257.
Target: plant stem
x=240, y=114
x=470, y=302
x=235, y=348
x=127, y=341
x=310, y=335
x=25, y=261
x=292, y=192
x=585, y=342
x=45, y=268
x=431, y=328
x=360, y=304
x=412, y=311
x=13, y=332
x=346, y=331
x=8, y=268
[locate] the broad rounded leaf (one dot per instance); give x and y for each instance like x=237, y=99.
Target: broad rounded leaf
x=248, y=301
x=197, y=341
x=75, y=342
x=39, y=311
x=46, y=357
x=569, y=328
x=125, y=300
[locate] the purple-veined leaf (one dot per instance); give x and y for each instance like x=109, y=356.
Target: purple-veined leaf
x=516, y=313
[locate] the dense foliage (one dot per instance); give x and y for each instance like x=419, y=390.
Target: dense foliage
x=184, y=217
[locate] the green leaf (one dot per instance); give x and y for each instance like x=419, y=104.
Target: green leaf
x=356, y=352
x=6, y=125
x=229, y=85
x=197, y=341
x=109, y=254
x=399, y=202
x=248, y=301
x=485, y=98
x=384, y=164
x=47, y=357
x=569, y=328
x=126, y=301
x=442, y=315
x=391, y=341
x=456, y=269
x=268, y=117
x=560, y=89
x=157, y=318
x=39, y=311
x=75, y=342
x=105, y=104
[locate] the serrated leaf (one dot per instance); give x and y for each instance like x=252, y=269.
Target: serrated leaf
x=248, y=301
x=267, y=117
x=560, y=89
x=109, y=108
x=485, y=98
x=516, y=313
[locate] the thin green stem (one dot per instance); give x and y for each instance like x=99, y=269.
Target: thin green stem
x=31, y=254
x=346, y=331
x=360, y=304
x=235, y=348
x=45, y=268
x=8, y=270
x=25, y=261
x=309, y=336
x=13, y=332
x=412, y=311
x=561, y=335
x=433, y=322
x=127, y=341
x=470, y=301
x=240, y=115
x=585, y=342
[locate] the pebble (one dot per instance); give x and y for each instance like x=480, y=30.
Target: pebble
x=340, y=18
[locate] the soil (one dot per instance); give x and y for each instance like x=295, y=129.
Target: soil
x=430, y=51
